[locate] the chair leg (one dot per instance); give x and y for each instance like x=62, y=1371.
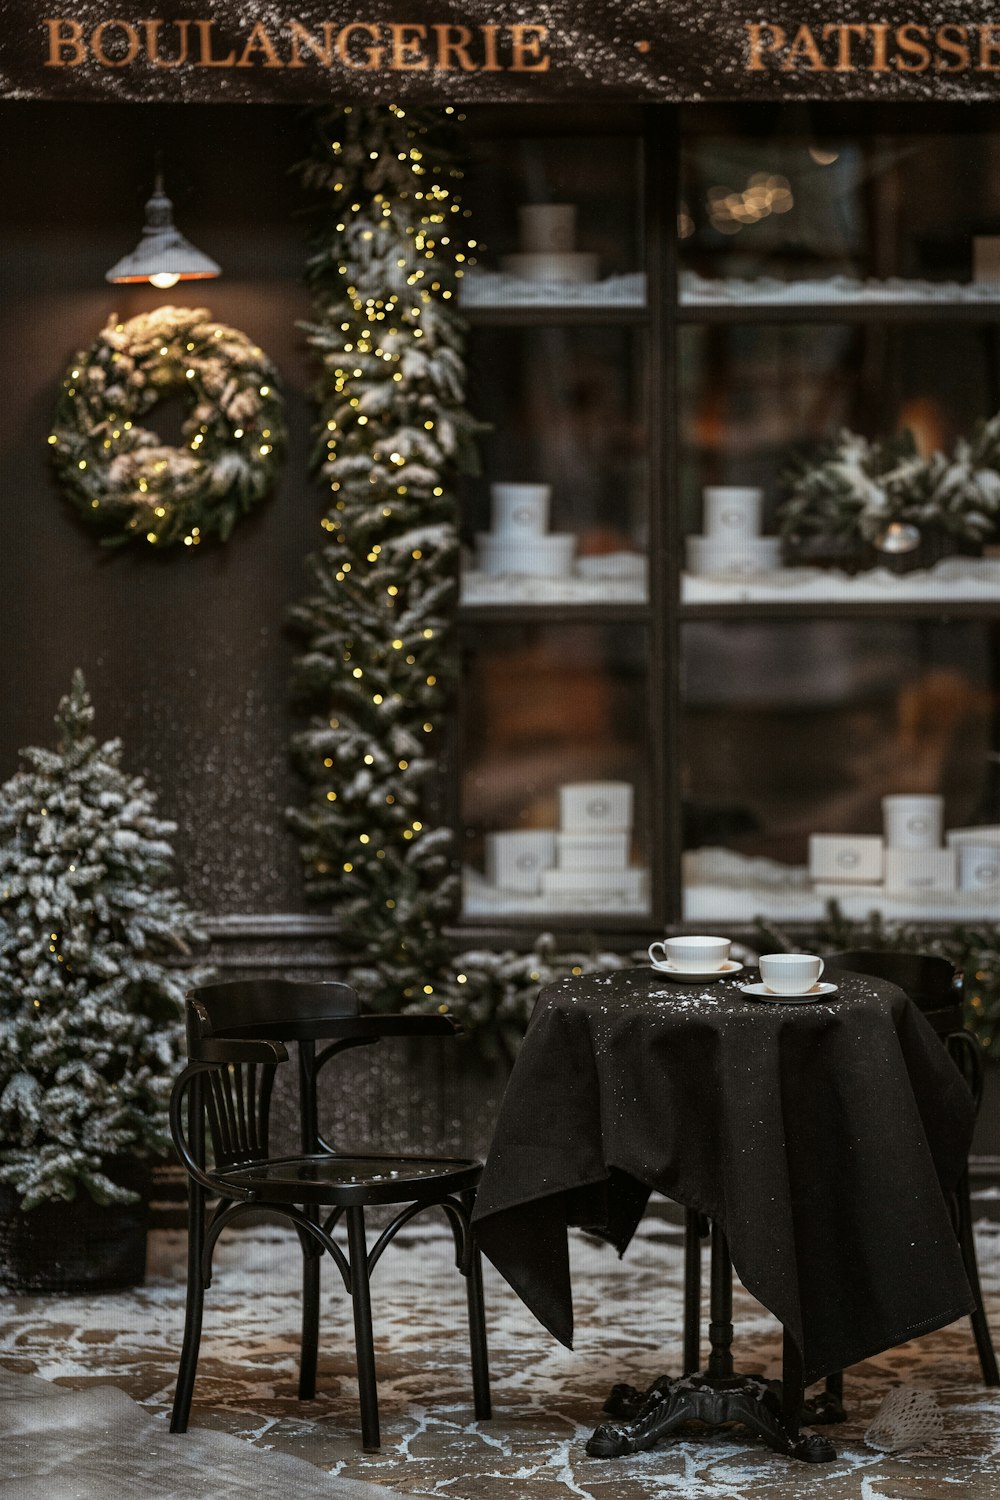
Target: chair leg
x=311, y=1257
x=967, y=1244
x=692, y=1292
x=193, y=1310
x=477, y=1322
x=363, y=1338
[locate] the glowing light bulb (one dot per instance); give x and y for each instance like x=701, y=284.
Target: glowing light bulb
x=164, y=279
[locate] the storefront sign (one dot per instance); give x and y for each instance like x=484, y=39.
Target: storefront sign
x=484, y=50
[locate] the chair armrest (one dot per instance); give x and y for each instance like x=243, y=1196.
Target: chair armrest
x=392, y=1025
x=224, y=1049
x=336, y=1028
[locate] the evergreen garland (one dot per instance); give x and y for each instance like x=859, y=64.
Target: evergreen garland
x=379, y=667
x=91, y=1008
x=858, y=488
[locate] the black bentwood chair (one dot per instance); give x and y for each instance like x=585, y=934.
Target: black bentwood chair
x=936, y=988
x=237, y=1035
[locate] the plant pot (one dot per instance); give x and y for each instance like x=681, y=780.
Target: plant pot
x=848, y=555
x=934, y=546
x=855, y=556
x=79, y=1245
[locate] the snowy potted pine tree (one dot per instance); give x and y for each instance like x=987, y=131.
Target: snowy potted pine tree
x=90, y=1008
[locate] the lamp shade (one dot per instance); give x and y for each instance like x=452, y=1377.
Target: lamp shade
x=163, y=256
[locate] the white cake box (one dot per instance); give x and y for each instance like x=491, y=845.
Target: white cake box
x=572, y=267
x=913, y=822
x=629, y=885
x=592, y=851
x=986, y=833
x=732, y=511
x=916, y=872
x=978, y=866
x=519, y=512
x=848, y=857
x=709, y=556
x=596, y=807
x=515, y=860
x=537, y=557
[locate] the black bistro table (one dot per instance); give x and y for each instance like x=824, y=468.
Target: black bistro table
x=821, y=1140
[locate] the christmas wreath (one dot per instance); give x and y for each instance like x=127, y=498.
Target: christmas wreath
x=121, y=477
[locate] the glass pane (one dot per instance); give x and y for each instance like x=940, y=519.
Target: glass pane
x=760, y=400
x=555, y=782
x=800, y=728
x=805, y=195
x=566, y=412
x=558, y=221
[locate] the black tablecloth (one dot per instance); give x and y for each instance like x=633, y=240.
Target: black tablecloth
x=821, y=1137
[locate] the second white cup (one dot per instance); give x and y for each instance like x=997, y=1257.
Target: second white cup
x=790, y=973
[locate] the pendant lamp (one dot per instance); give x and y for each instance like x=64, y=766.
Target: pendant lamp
x=163, y=256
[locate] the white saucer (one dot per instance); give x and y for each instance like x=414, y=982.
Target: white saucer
x=685, y=976
x=818, y=991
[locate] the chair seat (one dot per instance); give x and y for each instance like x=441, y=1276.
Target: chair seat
x=351, y=1180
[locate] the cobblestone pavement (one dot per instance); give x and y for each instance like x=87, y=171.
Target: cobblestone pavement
x=547, y=1400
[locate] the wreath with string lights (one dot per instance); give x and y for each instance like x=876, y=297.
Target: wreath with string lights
x=121, y=478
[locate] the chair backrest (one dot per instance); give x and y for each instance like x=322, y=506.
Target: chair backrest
x=237, y=1098
x=932, y=983
x=272, y=1007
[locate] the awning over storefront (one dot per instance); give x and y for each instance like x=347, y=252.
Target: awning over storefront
x=470, y=51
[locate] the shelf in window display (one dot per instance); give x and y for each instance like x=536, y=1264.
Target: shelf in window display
x=722, y=884
x=501, y=291
x=956, y=578
x=608, y=578
x=613, y=894
x=709, y=291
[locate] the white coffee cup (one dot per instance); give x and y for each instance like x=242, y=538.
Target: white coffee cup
x=913, y=822
x=691, y=955
x=790, y=973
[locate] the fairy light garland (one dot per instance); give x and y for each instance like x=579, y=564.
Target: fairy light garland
x=391, y=438
x=379, y=666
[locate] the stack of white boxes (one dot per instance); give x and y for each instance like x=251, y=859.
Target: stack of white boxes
x=593, y=845
x=519, y=540
x=582, y=863
x=909, y=860
x=915, y=863
x=732, y=546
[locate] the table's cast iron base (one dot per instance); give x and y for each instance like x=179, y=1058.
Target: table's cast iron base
x=772, y=1409
x=644, y=1417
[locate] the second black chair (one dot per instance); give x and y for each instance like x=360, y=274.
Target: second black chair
x=936, y=988
x=236, y=1040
